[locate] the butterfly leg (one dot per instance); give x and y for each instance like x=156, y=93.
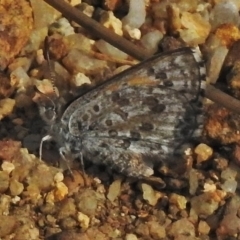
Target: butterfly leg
x=45, y=138
x=63, y=153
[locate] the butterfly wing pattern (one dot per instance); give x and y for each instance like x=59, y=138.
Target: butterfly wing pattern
x=140, y=117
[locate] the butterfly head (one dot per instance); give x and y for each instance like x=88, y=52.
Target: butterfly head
x=48, y=109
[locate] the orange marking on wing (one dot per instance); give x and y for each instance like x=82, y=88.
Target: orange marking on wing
x=113, y=87
x=134, y=81
x=141, y=81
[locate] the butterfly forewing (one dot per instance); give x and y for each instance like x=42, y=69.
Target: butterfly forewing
x=140, y=116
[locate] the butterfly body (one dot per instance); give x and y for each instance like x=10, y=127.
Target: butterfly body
x=138, y=118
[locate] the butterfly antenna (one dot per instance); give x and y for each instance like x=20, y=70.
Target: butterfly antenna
x=50, y=67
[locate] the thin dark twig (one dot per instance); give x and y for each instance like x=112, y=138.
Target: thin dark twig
x=94, y=27
x=222, y=98
x=126, y=46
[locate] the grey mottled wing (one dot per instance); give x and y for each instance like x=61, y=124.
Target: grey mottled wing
x=141, y=132
x=141, y=116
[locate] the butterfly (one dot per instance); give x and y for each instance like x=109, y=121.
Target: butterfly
x=138, y=119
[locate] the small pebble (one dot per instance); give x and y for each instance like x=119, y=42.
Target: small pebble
x=131, y=236
x=15, y=200
x=79, y=79
x=86, y=9
x=63, y=27
x=7, y=166
x=195, y=28
x=15, y=187
x=182, y=226
x=178, y=200
x=87, y=202
x=83, y=219
x=58, y=177
x=150, y=195
x=132, y=19
x=109, y=50
x=204, y=204
x=109, y=21
x=7, y=225
x=157, y=231
x=204, y=152
x=60, y=191
x=151, y=40
x=229, y=186
x=224, y=12
x=209, y=187
x=229, y=173
x=6, y=107
x=76, y=61
x=203, y=228
x=114, y=190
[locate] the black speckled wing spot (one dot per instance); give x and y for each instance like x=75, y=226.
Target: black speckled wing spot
x=138, y=118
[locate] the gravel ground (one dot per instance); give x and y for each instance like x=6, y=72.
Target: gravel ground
x=42, y=199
